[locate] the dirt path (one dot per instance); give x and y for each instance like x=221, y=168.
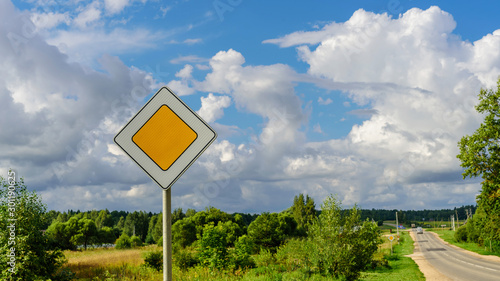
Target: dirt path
x=427, y=269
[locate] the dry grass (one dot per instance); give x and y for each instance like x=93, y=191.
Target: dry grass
x=90, y=263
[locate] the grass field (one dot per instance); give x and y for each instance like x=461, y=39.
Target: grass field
x=114, y=265
x=448, y=236
x=400, y=267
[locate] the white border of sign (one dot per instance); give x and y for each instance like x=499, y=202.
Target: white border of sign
x=206, y=136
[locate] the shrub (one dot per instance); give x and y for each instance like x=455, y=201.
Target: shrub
x=149, y=239
x=135, y=241
x=154, y=260
x=243, y=248
x=212, y=249
x=35, y=260
x=461, y=234
x=343, y=245
x=123, y=242
x=184, y=259
x=264, y=258
x=472, y=232
x=295, y=255
x=183, y=232
x=271, y=230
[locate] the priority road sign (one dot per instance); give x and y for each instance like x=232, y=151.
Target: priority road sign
x=165, y=137
x=391, y=238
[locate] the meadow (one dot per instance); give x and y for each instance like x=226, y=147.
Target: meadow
x=128, y=264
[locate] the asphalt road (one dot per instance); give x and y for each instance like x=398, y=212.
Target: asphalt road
x=454, y=263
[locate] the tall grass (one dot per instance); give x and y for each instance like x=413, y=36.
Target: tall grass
x=99, y=264
x=399, y=267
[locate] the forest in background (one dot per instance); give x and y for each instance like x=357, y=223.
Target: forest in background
x=99, y=227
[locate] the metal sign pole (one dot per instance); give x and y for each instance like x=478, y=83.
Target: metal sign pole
x=167, y=235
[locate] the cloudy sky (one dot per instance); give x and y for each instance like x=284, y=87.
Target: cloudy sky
x=363, y=99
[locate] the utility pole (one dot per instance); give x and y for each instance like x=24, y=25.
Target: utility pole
x=397, y=226
x=458, y=221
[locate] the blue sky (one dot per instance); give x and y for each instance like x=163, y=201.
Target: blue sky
x=363, y=99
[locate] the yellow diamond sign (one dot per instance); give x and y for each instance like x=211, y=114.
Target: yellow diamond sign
x=165, y=137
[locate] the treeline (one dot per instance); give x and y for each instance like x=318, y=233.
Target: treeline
x=409, y=216
x=75, y=228
x=72, y=229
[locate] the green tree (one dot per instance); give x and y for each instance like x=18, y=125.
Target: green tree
x=87, y=233
x=129, y=227
x=480, y=156
x=158, y=228
x=106, y=235
x=26, y=253
x=183, y=232
x=212, y=247
x=233, y=231
x=304, y=212
x=177, y=214
x=243, y=248
x=62, y=217
x=271, y=230
x=121, y=223
x=104, y=219
x=343, y=245
x=190, y=212
x=49, y=217
x=209, y=215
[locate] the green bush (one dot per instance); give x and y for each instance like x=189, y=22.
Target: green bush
x=241, y=258
x=123, y=242
x=212, y=247
x=472, y=232
x=270, y=230
x=135, y=241
x=264, y=258
x=149, y=239
x=343, y=245
x=35, y=259
x=461, y=234
x=295, y=255
x=183, y=232
x=185, y=259
x=154, y=260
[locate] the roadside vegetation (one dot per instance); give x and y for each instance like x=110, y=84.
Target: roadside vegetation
x=299, y=243
x=479, y=156
x=398, y=267
x=459, y=239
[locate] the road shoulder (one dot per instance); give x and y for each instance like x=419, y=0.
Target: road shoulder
x=430, y=273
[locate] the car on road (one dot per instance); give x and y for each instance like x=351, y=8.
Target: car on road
x=420, y=230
